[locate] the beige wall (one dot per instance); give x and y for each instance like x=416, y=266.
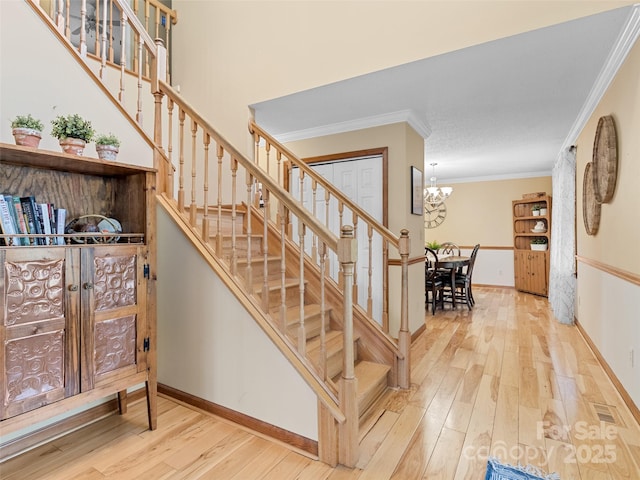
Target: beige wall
x=252, y=51
x=607, y=305
x=481, y=212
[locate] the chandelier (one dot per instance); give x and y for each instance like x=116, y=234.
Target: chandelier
x=433, y=194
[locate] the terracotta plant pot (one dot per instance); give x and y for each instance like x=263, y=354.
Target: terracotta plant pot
x=74, y=146
x=27, y=137
x=107, y=152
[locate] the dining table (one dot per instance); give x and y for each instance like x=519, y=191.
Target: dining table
x=453, y=263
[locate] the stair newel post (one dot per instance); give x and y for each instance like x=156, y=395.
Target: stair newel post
x=347, y=255
x=354, y=218
x=302, y=336
x=250, y=184
x=283, y=266
x=165, y=172
x=181, y=116
x=370, y=271
x=170, y=174
x=193, y=207
x=234, y=201
x=404, y=336
x=220, y=153
x=205, y=219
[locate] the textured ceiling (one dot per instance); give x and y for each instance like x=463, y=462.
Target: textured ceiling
x=502, y=109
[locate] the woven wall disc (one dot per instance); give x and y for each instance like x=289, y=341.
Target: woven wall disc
x=590, y=205
x=605, y=159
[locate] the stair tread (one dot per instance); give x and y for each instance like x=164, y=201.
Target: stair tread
x=310, y=310
x=368, y=374
x=333, y=341
x=260, y=259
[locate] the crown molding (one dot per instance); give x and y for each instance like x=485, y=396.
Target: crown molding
x=493, y=178
x=618, y=54
x=409, y=116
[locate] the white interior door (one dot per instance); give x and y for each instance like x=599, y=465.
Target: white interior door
x=360, y=180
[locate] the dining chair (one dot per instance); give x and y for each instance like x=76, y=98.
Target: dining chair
x=449, y=248
x=433, y=282
x=462, y=289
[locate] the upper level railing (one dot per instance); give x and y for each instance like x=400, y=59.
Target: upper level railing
x=113, y=33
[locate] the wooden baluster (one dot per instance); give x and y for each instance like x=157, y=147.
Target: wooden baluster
x=96, y=45
x=404, y=336
x=60, y=17
x=302, y=336
x=265, y=251
x=323, y=312
x=103, y=50
x=146, y=27
x=283, y=267
x=347, y=254
x=167, y=39
x=370, y=272
x=110, y=37
x=220, y=153
x=67, y=21
x=279, y=162
x=171, y=180
x=82, y=48
x=385, y=286
x=139, y=103
x=314, y=237
x=193, y=207
x=157, y=22
x=355, y=264
x=268, y=150
x=249, y=273
x=340, y=225
x=327, y=199
x=205, y=217
x=123, y=54
x=234, y=252
x=181, y=115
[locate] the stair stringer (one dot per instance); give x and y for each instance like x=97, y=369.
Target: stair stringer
x=325, y=396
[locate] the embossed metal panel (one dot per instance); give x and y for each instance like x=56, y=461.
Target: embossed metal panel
x=114, y=281
x=34, y=291
x=33, y=330
x=115, y=344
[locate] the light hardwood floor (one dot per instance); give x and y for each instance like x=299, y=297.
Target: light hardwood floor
x=504, y=379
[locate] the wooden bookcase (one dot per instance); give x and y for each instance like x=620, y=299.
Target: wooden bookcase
x=531, y=268
x=77, y=320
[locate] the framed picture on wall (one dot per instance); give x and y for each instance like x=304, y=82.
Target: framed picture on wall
x=416, y=191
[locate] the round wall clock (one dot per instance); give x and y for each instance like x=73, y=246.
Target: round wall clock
x=590, y=205
x=605, y=159
x=434, y=215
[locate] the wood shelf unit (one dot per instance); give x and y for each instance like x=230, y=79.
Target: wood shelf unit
x=531, y=268
x=78, y=320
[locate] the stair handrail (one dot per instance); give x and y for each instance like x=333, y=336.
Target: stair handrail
x=326, y=235
x=381, y=229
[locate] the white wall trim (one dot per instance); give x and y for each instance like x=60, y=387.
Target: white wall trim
x=409, y=116
x=617, y=56
x=490, y=178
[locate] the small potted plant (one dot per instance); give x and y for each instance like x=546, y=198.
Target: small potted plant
x=107, y=146
x=543, y=210
x=435, y=246
x=539, y=244
x=535, y=210
x=27, y=130
x=73, y=132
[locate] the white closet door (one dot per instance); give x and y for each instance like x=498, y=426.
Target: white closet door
x=360, y=180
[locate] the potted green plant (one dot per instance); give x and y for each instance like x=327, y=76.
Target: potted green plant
x=107, y=146
x=535, y=210
x=27, y=130
x=434, y=245
x=73, y=132
x=539, y=244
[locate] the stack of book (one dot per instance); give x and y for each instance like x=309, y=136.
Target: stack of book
x=31, y=222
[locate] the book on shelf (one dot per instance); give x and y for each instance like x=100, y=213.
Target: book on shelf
x=22, y=224
x=43, y=210
x=30, y=210
x=7, y=222
x=61, y=218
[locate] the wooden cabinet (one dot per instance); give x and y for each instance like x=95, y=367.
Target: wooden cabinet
x=77, y=320
x=532, y=229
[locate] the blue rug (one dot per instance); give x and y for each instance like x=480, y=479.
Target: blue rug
x=500, y=471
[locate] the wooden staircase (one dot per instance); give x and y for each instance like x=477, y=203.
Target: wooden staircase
x=372, y=377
